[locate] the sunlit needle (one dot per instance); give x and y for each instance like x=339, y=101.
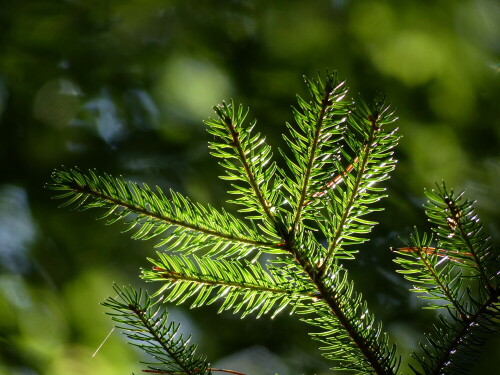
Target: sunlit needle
x=103, y=341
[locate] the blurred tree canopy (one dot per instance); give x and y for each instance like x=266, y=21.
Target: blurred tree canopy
x=123, y=86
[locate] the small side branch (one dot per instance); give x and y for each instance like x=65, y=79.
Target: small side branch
x=237, y=145
x=360, y=175
x=113, y=201
x=468, y=324
x=325, y=104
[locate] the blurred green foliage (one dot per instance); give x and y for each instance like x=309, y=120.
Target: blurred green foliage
x=123, y=86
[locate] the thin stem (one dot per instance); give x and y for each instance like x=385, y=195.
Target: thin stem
x=334, y=181
x=181, y=373
x=443, y=253
x=228, y=371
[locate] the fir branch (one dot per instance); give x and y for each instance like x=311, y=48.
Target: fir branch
x=433, y=275
x=146, y=326
x=454, y=346
x=458, y=227
x=349, y=330
x=468, y=280
x=244, y=287
x=182, y=221
x=349, y=203
x=320, y=124
x=259, y=193
x=340, y=152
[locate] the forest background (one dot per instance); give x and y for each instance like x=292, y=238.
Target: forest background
x=123, y=86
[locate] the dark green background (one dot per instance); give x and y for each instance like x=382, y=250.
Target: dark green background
x=123, y=86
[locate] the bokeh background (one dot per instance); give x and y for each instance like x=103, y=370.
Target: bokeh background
x=123, y=86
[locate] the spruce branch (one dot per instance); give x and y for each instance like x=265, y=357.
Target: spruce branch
x=352, y=200
x=454, y=346
x=458, y=227
x=314, y=142
x=182, y=223
x=147, y=328
x=463, y=270
x=247, y=161
x=307, y=220
x=433, y=275
x=349, y=331
x=244, y=287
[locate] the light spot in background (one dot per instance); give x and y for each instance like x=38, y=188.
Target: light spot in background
x=408, y=48
x=43, y=326
x=437, y=155
x=495, y=66
x=189, y=88
x=297, y=30
x=107, y=120
x=143, y=109
x=399, y=45
x=56, y=102
x=82, y=297
x=76, y=359
x=479, y=21
x=412, y=56
x=13, y=288
x=17, y=230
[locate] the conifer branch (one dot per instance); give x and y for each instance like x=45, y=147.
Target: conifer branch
x=314, y=144
x=339, y=152
x=473, y=316
x=334, y=244
x=363, y=349
x=374, y=163
x=245, y=287
x=260, y=192
x=147, y=328
x=462, y=343
x=454, y=345
x=458, y=227
x=435, y=277
x=236, y=142
x=182, y=220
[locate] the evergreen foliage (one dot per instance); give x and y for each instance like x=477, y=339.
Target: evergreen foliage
x=306, y=216
x=147, y=327
x=460, y=274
